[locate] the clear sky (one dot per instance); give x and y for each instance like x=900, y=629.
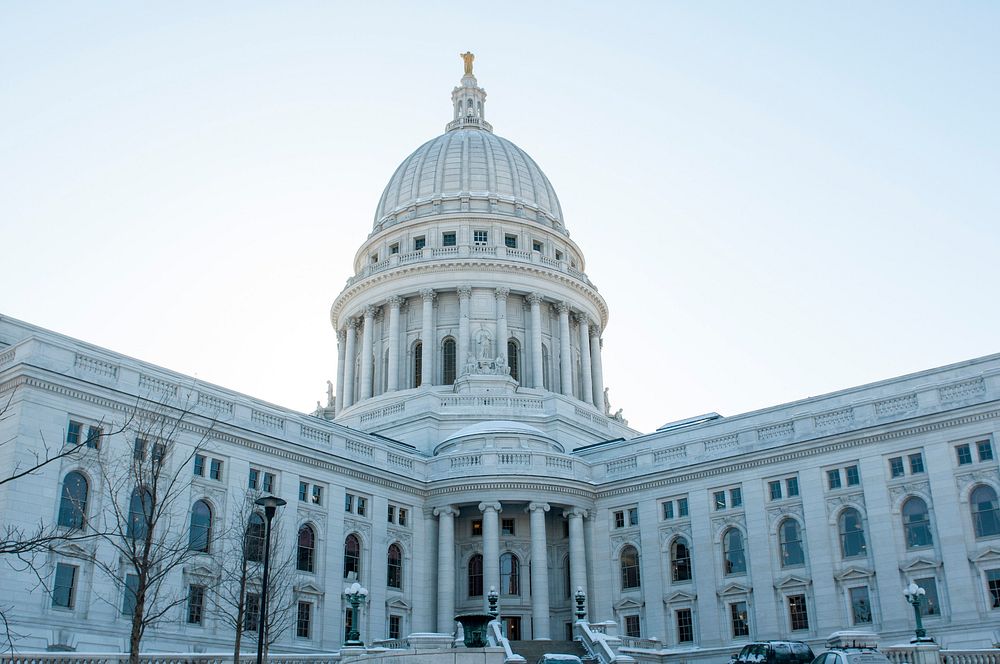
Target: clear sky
x=777, y=199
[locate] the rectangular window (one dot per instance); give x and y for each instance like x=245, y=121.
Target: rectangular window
x=536, y=246
x=253, y=480
x=317, y=497
x=448, y=240
x=159, y=451
x=199, y=465
x=797, y=612
x=720, y=500
x=736, y=497
x=853, y=477
x=392, y=514
x=402, y=516
x=929, y=604
x=480, y=237
x=361, y=506
x=394, y=248
x=985, y=450
x=348, y=502
x=395, y=627
x=477, y=527
x=196, y=604
x=993, y=586
x=128, y=598
x=774, y=489
x=896, y=467
x=215, y=469
x=507, y=527
x=64, y=587
x=632, y=626
x=559, y=255
x=94, y=437
x=251, y=618
x=303, y=625
x=685, y=626
x=668, y=510
x=916, y=463
x=510, y=241
x=419, y=243
x=682, y=507
x=861, y=606
x=267, y=485
x=303, y=491
x=738, y=618
x=139, y=449
x=792, y=484
x=374, y=258
x=964, y=454
x=833, y=478
x=619, y=519
x=633, y=516
x=73, y=433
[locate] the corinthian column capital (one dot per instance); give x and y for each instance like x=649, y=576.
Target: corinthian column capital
x=562, y=307
x=370, y=311
x=394, y=301
x=502, y=292
x=583, y=319
x=341, y=335
x=534, y=298
x=427, y=294
x=464, y=292
x=353, y=323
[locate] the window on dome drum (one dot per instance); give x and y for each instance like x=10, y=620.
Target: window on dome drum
x=393, y=248
x=476, y=576
x=985, y=511
x=448, y=239
x=196, y=604
x=201, y=527
x=929, y=606
x=251, y=619
x=536, y=246
x=73, y=504
x=739, y=619
x=559, y=255
x=680, y=560
x=253, y=542
x=510, y=574
x=734, y=558
x=507, y=527
x=64, y=586
x=916, y=523
x=685, y=625
x=513, y=360
x=419, y=243
x=306, y=549
x=477, y=527
x=790, y=540
x=510, y=241
x=861, y=606
x=480, y=237
x=993, y=587
x=374, y=258
x=632, y=626
x=303, y=622
x=852, y=534
x=352, y=557
x=797, y=612
x=629, y=563
x=394, y=567
x=448, y=362
x=417, y=363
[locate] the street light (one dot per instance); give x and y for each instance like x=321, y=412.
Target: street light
x=270, y=505
x=355, y=594
x=492, y=598
x=914, y=595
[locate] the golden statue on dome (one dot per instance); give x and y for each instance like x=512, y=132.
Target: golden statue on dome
x=468, y=57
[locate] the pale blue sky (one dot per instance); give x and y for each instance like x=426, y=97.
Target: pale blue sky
x=777, y=199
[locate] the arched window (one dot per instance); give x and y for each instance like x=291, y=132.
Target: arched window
x=394, y=567
x=140, y=511
x=418, y=364
x=254, y=542
x=852, y=534
x=306, y=550
x=510, y=574
x=732, y=552
x=629, y=562
x=73, y=504
x=201, y=526
x=352, y=557
x=448, y=361
x=985, y=511
x=476, y=576
x=680, y=560
x=916, y=523
x=513, y=359
x=790, y=540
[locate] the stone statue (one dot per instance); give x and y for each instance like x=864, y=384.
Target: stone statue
x=468, y=57
x=607, y=404
x=330, y=401
x=484, y=345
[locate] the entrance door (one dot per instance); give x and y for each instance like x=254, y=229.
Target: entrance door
x=512, y=628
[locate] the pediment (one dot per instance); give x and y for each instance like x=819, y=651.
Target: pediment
x=199, y=570
x=397, y=603
x=792, y=581
x=627, y=603
x=919, y=565
x=72, y=550
x=854, y=574
x=987, y=555
x=309, y=589
x=679, y=596
x=735, y=589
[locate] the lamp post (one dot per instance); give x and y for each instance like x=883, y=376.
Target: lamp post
x=580, y=598
x=355, y=594
x=493, y=597
x=914, y=595
x=270, y=505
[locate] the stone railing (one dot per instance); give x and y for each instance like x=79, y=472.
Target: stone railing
x=600, y=645
x=903, y=654
x=990, y=656
x=162, y=658
x=391, y=644
x=495, y=637
x=899, y=654
x=643, y=644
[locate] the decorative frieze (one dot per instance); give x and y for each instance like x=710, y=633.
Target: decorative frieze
x=775, y=432
x=834, y=419
x=720, y=523
x=776, y=514
x=835, y=503
x=668, y=533
x=967, y=389
x=363, y=528
x=96, y=367
x=896, y=406
x=267, y=420
x=315, y=435
x=402, y=536
x=899, y=490
x=966, y=480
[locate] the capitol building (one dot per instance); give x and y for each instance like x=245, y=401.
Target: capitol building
x=467, y=445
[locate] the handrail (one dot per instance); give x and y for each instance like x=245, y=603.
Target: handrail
x=599, y=645
x=495, y=637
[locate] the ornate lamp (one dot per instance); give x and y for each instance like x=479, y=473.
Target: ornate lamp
x=580, y=598
x=914, y=594
x=355, y=594
x=270, y=505
x=492, y=597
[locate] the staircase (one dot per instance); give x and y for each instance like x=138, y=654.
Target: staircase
x=531, y=651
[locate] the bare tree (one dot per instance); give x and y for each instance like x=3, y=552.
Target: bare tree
x=237, y=596
x=145, y=520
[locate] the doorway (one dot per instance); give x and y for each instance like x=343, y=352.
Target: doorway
x=512, y=627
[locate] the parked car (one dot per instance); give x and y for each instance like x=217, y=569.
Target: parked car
x=851, y=656
x=775, y=652
x=553, y=658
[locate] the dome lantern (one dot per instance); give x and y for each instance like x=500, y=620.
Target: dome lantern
x=468, y=101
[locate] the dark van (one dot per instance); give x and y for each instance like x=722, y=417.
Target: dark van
x=775, y=652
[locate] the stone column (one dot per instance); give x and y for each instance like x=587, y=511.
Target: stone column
x=352, y=335
x=462, y=354
x=366, y=353
x=446, y=568
x=537, y=372
x=539, y=572
x=491, y=549
x=586, y=379
x=341, y=353
x=501, y=296
x=392, y=381
x=577, y=551
x=565, y=355
x=597, y=368
x=427, y=338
